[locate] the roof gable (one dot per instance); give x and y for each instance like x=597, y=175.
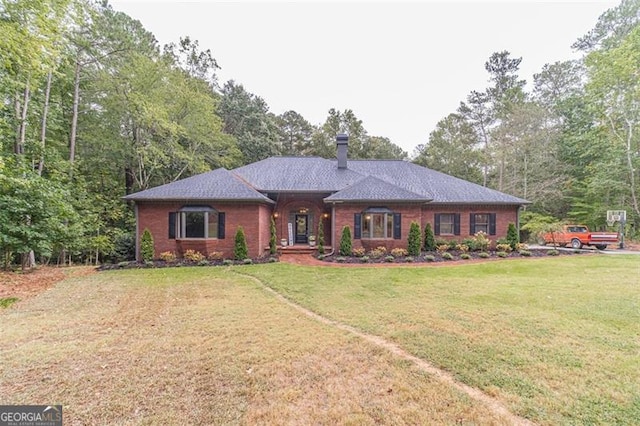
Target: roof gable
x=219, y=184
x=371, y=188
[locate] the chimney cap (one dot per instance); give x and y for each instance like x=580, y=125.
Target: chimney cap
x=342, y=137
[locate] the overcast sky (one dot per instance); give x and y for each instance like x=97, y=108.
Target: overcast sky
x=400, y=66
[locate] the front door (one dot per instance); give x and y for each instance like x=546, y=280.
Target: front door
x=302, y=228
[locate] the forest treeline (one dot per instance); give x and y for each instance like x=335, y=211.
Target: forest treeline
x=93, y=108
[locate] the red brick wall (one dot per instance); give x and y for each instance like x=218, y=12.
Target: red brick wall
x=422, y=215
x=254, y=218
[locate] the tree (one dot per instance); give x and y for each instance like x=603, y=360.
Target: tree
x=414, y=244
x=240, y=250
x=612, y=27
x=512, y=236
x=294, y=133
x=147, y=250
x=429, y=238
x=477, y=112
x=345, y=242
x=246, y=117
x=452, y=149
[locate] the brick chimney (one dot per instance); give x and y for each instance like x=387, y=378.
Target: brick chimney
x=342, y=142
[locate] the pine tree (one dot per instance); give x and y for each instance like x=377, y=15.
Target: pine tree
x=240, y=250
x=414, y=239
x=512, y=236
x=345, y=242
x=429, y=238
x=146, y=246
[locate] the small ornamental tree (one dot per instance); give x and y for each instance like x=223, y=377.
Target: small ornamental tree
x=146, y=246
x=273, y=243
x=320, y=238
x=240, y=251
x=345, y=242
x=429, y=238
x=512, y=236
x=414, y=239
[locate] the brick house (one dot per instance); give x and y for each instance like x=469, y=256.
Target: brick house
x=377, y=199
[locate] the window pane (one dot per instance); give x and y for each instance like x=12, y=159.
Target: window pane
x=378, y=225
x=389, y=225
x=213, y=225
x=446, y=224
x=482, y=223
x=194, y=225
x=366, y=226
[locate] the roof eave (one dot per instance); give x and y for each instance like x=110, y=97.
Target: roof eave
x=186, y=199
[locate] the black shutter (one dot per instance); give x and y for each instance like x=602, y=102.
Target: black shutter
x=492, y=224
x=436, y=224
x=472, y=224
x=357, y=226
x=172, y=225
x=456, y=224
x=397, y=226
x=221, y=218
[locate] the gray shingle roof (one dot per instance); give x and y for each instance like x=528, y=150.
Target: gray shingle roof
x=219, y=184
x=363, y=180
x=296, y=174
x=371, y=188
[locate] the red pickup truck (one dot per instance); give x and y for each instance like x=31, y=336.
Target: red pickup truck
x=578, y=236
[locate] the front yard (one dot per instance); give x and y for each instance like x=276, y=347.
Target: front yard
x=555, y=339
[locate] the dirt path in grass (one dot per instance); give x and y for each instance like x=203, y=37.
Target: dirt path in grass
x=493, y=404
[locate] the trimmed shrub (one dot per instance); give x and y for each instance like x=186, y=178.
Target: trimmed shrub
x=273, y=259
x=429, y=258
x=462, y=247
x=341, y=259
x=447, y=256
x=389, y=259
x=429, y=238
x=247, y=261
x=521, y=246
x=465, y=256
x=345, y=242
x=168, y=256
x=525, y=253
x=364, y=259
x=414, y=243
x=203, y=262
x=399, y=252
x=480, y=241
x=409, y=259
x=503, y=247
x=240, y=250
x=359, y=252
x=320, y=237
x=273, y=242
x=193, y=256
x=502, y=254
x=442, y=248
x=227, y=262
x=378, y=252
x=512, y=236
x=215, y=256
x=553, y=252
x=484, y=255
x=146, y=246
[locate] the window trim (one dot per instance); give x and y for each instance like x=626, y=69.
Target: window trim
x=392, y=224
x=456, y=224
x=181, y=222
x=491, y=224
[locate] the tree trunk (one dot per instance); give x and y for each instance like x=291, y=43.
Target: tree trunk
x=74, y=117
x=21, y=116
x=43, y=130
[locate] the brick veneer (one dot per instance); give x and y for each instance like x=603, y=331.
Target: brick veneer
x=254, y=218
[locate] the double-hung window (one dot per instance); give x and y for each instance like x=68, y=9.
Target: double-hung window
x=482, y=222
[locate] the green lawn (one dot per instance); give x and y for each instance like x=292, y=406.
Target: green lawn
x=206, y=346
x=557, y=340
